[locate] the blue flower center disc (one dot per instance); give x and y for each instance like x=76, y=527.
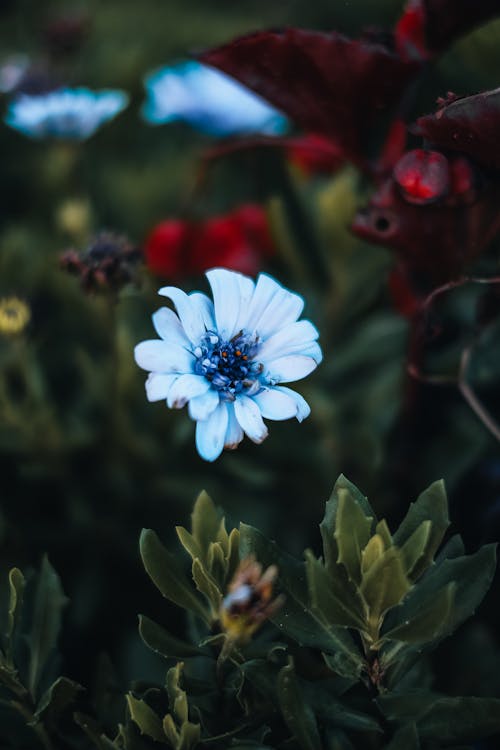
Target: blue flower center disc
x=229, y=365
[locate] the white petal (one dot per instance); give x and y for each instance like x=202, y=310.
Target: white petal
x=169, y=327
x=189, y=312
x=272, y=307
x=247, y=288
x=185, y=388
x=303, y=408
x=159, y=356
x=287, y=369
x=227, y=292
x=158, y=385
x=206, y=308
x=248, y=415
x=202, y=406
x=211, y=432
x=234, y=433
x=275, y=405
x=292, y=339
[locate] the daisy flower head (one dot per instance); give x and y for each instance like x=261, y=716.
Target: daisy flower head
x=227, y=359
x=73, y=114
x=208, y=100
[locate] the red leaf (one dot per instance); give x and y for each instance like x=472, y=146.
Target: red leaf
x=433, y=241
x=315, y=154
x=326, y=83
x=470, y=125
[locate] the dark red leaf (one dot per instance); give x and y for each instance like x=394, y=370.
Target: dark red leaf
x=326, y=83
x=470, y=125
x=433, y=241
x=315, y=154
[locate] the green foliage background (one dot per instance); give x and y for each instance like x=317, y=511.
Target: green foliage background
x=86, y=462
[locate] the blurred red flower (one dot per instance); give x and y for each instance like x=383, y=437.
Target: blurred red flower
x=238, y=240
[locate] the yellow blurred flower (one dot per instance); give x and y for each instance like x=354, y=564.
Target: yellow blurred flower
x=14, y=315
x=249, y=600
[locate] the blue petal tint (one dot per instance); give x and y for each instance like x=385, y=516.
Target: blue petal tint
x=209, y=101
x=226, y=359
x=73, y=114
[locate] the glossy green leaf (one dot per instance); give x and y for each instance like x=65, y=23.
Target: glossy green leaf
x=384, y=585
x=147, y=720
x=431, y=620
x=177, y=698
x=372, y=552
x=323, y=601
x=414, y=551
x=296, y=618
x=336, y=713
x=94, y=732
x=472, y=575
x=206, y=585
x=17, y=584
x=446, y=719
x=327, y=525
x=167, y=575
x=352, y=532
x=61, y=694
x=48, y=604
x=405, y=738
x=161, y=642
x=298, y=715
x=205, y=523
x=431, y=505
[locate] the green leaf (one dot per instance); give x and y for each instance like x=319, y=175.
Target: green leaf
x=205, y=523
x=405, y=738
x=327, y=525
x=296, y=618
x=371, y=553
x=167, y=575
x=146, y=719
x=94, y=732
x=17, y=585
x=323, y=600
x=58, y=697
x=384, y=585
x=352, y=533
x=472, y=574
x=207, y=585
x=414, y=551
x=217, y=564
x=431, y=505
x=189, y=736
x=331, y=711
x=177, y=698
x=429, y=623
x=49, y=601
x=382, y=530
x=454, y=547
x=447, y=719
x=298, y=715
x=188, y=542
x=159, y=640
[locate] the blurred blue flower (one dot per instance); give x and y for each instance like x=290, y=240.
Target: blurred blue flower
x=227, y=359
x=209, y=101
x=74, y=114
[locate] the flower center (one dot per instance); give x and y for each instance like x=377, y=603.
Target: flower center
x=229, y=365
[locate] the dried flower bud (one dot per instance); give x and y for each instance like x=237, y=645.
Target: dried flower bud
x=109, y=262
x=423, y=176
x=15, y=315
x=249, y=600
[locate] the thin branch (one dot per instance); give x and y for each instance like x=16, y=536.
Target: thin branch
x=469, y=395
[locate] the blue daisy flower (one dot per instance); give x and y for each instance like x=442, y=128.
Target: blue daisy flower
x=73, y=114
x=228, y=359
x=209, y=101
